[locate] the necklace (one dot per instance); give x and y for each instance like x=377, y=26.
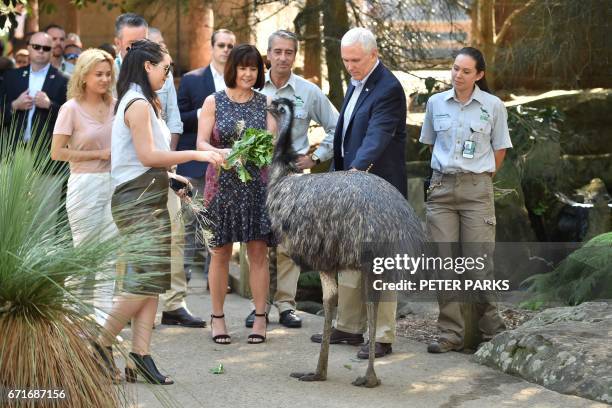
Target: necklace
x=235, y=100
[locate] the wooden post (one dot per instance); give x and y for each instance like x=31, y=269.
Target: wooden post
x=244, y=289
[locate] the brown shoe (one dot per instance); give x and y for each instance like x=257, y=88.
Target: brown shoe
x=380, y=350
x=338, y=336
x=443, y=346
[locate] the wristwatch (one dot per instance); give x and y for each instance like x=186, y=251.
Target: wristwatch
x=315, y=158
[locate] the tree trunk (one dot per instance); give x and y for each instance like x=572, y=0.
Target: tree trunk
x=312, y=42
x=201, y=23
x=234, y=15
x=335, y=19
x=32, y=23
x=483, y=16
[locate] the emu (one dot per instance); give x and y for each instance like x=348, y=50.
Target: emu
x=325, y=220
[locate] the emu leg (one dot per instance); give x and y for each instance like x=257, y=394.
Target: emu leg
x=370, y=380
x=330, y=298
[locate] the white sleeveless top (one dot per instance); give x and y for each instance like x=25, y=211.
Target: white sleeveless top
x=125, y=165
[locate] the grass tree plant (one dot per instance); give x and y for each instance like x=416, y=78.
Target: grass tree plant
x=46, y=287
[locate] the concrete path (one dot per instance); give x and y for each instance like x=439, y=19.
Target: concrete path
x=258, y=375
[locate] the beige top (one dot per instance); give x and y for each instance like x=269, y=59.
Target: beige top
x=86, y=133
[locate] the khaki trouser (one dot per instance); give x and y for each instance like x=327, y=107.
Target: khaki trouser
x=460, y=208
x=175, y=297
x=352, y=315
x=287, y=275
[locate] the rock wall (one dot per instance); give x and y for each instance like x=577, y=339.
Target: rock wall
x=566, y=349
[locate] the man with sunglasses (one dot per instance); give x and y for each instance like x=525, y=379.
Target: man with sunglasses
x=195, y=86
x=32, y=95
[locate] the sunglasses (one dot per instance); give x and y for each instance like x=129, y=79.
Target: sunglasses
x=224, y=45
x=38, y=47
x=71, y=56
x=166, y=68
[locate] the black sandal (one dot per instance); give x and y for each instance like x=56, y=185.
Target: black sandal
x=258, y=338
x=219, y=338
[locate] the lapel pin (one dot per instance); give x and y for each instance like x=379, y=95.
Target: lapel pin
x=367, y=90
x=25, y=74
x=51, y=76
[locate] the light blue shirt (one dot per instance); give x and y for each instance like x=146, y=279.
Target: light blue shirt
x=448, y=124
x=168, y=100
x=350, y=106
x=36, y=80
x=310, y=104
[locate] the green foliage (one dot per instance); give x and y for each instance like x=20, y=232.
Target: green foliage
x=254, y=147
x=529, y=125
x=309, y=279
x=433, y=86
x=584, y=275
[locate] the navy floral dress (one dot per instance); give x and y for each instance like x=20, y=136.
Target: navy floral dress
x=237, y=210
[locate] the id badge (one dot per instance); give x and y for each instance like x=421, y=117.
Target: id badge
x=469, y=147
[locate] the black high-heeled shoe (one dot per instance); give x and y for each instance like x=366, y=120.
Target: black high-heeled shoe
x=107, y=362
x=258, y=338
x=219, y=338
x=145, y=366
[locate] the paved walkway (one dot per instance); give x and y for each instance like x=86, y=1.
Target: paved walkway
x=258, y=375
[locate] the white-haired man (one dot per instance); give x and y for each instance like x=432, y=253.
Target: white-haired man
x=370, y=136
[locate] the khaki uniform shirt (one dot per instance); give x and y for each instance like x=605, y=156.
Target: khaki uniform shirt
x=448, y=124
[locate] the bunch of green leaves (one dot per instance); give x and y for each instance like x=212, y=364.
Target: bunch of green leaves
x=254, y=147
x=584, y=275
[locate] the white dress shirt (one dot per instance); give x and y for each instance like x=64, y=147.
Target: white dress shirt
x=36, y=81
x=350, y=106
x=218, y=78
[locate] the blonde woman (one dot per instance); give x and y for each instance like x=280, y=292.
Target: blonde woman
x=82, y=137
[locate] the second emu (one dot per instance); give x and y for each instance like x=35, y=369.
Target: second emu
x=324, y=220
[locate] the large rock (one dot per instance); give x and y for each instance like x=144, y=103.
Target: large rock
x=566, y=349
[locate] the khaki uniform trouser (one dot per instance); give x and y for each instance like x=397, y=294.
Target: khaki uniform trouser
x=352, y=314
x=175, y=297
x=460, y=208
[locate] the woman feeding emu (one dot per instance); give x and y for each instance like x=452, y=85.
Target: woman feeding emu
x=325, y=219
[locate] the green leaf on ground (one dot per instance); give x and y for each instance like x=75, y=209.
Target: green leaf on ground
x=218, y=369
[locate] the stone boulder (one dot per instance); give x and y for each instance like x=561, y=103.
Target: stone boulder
x=565, y=349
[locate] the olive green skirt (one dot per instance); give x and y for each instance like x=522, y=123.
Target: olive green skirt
x=140, y=211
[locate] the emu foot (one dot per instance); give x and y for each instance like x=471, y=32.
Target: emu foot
x=309, y=376
x=368, y=381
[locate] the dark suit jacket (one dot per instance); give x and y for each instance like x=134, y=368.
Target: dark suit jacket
x=376, y=135
x=15, y=82
x=195, y=86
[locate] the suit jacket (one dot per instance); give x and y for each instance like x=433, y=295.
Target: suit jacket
x=15, y=82
x=375, y=138
x=195, y=86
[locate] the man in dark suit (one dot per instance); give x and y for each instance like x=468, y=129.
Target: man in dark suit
x=31, y=96
x=370, y=136
x=195, y=86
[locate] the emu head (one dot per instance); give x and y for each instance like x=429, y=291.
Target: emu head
x=282, y=110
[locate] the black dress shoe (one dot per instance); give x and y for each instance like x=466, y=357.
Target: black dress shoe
x=288, y=318
x=338, y=336
x=250, y=319
x=380, y=350
x=181, y=317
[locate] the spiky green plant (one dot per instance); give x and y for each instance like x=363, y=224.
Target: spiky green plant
x=584, y=275
x=45, y=284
